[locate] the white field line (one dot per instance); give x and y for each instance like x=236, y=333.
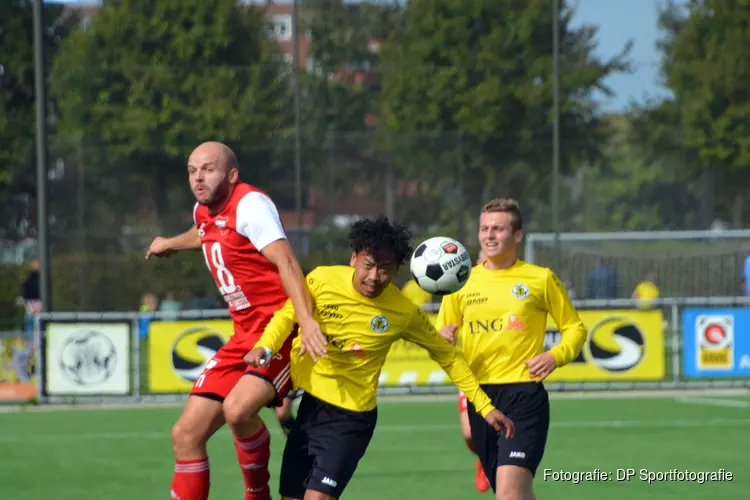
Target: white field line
x=727, y=403
x=385, y=428
x=435, y=398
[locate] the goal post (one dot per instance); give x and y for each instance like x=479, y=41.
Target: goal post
x=680, y=263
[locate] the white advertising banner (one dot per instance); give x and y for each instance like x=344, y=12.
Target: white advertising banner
x=87, y=358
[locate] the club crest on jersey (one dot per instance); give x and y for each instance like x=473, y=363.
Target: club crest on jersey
x=379, y=324
x=202, y=230
x=520, y=291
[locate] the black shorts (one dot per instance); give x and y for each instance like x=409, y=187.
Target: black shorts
x=324, y=447
x=527, y=405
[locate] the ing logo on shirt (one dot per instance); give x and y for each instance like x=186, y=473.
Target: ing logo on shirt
x=520, y=291
x=357, y=351
x=379, y=324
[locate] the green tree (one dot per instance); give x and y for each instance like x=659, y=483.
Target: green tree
x=342, y=86
x=634, y=186
x=148, y=81
x=705, y=67
x=18, y=105
x=485, y=69
x=341, y=91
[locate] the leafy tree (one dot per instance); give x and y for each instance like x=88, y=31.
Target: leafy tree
x=634, y=187
x=485, y=69
x=148, y=81
x=705, y=67
x=18, y=107
x=341, y=91
x=343, y=85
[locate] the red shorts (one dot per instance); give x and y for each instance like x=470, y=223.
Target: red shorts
x=226, y=368
x=462, y=402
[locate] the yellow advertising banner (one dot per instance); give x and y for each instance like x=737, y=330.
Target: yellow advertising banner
x=178, y=350
x=16, y=370
x=622, y=345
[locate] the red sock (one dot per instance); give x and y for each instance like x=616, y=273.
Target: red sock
x=191, y=480
x=253, y=453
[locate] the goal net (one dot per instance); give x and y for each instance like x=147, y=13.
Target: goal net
x=680, y=263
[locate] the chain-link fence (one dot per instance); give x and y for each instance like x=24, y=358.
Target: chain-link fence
x=105, y=210
x=426, y=146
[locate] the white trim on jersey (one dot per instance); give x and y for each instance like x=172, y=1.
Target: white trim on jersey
x=258, y=220
x=195, y=210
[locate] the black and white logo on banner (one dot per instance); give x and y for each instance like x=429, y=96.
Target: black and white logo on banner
x=87, y=358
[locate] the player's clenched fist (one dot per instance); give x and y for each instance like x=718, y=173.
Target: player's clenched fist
x=500, y=422
x=160, y=247
x=258, y=357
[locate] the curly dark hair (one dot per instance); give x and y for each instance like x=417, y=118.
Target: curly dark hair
x=381, y=239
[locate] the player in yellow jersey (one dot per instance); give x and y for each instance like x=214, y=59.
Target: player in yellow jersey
x=500, y=316
x=361, y=313
x=646, y=292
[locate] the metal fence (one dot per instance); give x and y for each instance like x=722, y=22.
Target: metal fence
x=674, y=263
x=106, y=208
x=117, y=173
x=668, y=344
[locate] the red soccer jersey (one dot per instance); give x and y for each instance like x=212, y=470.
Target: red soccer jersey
x=232, y=241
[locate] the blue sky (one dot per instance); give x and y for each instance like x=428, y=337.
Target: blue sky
x=618, y=21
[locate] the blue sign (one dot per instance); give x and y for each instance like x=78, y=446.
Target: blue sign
x=716, y=343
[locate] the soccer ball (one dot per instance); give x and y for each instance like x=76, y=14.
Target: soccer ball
x=441, y=265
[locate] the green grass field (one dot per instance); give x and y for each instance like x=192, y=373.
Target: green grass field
x=417, y=451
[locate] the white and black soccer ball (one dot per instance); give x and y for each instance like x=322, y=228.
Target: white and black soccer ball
x=441, y=265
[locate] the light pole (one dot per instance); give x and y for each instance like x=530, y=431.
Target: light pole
x=297, y=119
x=556, y=130
x=41, y=161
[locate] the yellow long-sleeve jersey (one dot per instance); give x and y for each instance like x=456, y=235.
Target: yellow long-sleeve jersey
x=360, y=331
x=502, y=319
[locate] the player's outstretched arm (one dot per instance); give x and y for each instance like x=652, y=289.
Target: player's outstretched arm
x=164, y=247
x=423, y=333
x=280, y=253
x=258, y=220
x=278, y=329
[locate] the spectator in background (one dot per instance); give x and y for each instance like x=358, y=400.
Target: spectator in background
x=149, y=304
x=646, y=292
x=171, y=306
x=202, y=300
x=601, y=282
x=32, y=299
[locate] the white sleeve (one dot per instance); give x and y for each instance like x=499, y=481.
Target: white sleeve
x=258, y=220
